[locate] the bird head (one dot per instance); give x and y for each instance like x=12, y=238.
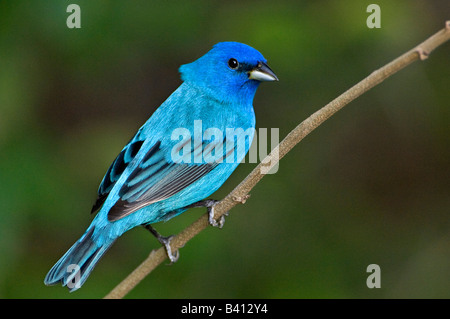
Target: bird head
x=230, y=72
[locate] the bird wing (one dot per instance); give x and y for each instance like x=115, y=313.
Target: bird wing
x=155, y=179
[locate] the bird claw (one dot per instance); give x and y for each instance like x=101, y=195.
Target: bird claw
x=209, y=204
x=165, y=241
x=212, y=221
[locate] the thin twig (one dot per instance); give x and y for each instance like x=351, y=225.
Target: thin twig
x=240, y=193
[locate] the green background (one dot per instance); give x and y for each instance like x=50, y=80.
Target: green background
x=369, y=186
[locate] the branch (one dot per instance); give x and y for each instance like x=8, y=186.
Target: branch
x=240, y=193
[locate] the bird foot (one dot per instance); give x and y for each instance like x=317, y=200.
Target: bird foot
x=212, y=221
x=165, y=241
x=209, y=204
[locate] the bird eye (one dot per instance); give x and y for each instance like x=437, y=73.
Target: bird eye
x=233, y=64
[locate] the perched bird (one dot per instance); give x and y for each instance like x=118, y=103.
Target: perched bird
x=180, y=156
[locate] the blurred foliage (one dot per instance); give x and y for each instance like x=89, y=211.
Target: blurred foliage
x=371, y=185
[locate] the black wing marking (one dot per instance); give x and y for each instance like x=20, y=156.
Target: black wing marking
x=115, y=170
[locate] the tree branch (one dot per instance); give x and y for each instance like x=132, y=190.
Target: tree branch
x=240, y=193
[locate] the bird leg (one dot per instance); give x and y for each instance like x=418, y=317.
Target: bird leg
x=165, y=241
x=209, y=204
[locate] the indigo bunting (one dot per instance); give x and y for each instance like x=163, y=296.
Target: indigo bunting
x=184, y=152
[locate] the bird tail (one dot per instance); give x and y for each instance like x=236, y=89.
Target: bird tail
x=75, y=266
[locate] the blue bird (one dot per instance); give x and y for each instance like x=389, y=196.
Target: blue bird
x=184, y=152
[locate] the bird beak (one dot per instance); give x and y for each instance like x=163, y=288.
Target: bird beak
x=262, y=72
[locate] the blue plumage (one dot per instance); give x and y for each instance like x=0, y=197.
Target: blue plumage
x=161, y=171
